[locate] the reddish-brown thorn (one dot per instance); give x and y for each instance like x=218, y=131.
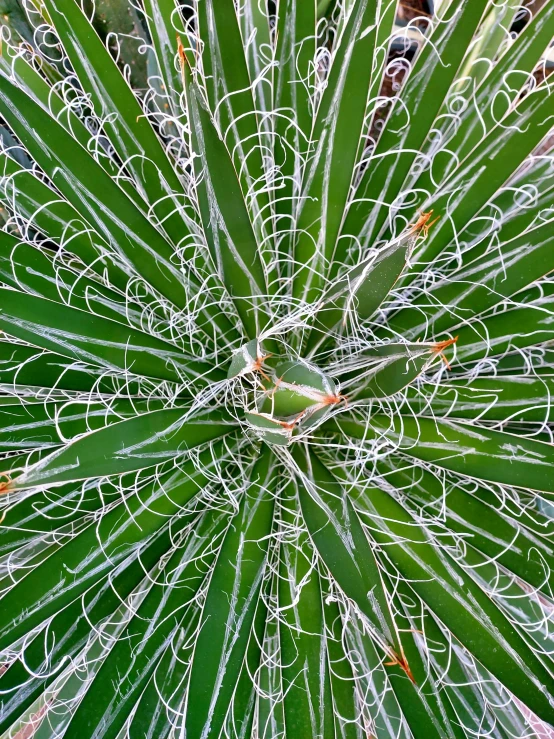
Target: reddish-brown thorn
x=5, y=486
x=334, y=399
x=258, y=366
x=182, y=56
x=402, y=662
x=441, y=346
x=422, y=224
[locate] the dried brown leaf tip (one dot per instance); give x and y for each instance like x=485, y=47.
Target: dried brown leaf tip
x=422, y=225
x=182, y=56
x=401, y=662
x=334, y=399
x=441, y=346
x=5, y=483
x=258, y=365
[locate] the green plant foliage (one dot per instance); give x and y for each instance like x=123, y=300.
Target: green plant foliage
x=276, y=376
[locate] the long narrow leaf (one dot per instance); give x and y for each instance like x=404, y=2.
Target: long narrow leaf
x=466, y=611
x=93, y=339
x=477, y=452
x=125, y=123
x=230, y=606
x=336, y=142
x=132, y=444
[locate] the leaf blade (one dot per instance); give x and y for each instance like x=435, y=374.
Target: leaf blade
x=93, y=339
x=127, y=446
x=467, y=612
x=229, y=610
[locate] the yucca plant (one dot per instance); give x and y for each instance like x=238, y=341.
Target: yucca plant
x=275, y=376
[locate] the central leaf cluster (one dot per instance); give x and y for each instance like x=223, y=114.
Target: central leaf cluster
x=287, y=399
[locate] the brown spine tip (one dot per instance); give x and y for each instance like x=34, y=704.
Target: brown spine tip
x=334, y=399
x=401, y=662
x=441, y=346
x=7, y=485
x=422, y=224
x=258, y=366
x=182, y=56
